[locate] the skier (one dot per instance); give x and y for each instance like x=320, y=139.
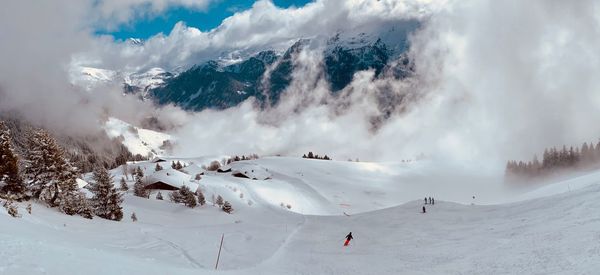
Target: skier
x=429, y=200
x=425, y=200
x=348, y=238
x=424, y=210
x=432, y=201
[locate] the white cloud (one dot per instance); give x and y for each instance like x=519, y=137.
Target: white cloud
x=263, y=26
x=494, y=80
x=111, y=14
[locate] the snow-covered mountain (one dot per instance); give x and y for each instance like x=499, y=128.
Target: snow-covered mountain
x=225, y=82
x=136, y=82
x=217, y=84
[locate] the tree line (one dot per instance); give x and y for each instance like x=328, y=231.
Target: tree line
x=46, y=175
x=85, y=151
x=310, y=155
x=554, y=160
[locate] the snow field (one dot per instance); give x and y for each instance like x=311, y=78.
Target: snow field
x=551, y=232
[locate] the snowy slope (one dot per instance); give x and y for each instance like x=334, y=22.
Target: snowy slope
x=137, y=140
x=90, y=77
x=541, y=235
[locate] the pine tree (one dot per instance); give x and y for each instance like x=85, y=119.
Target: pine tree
x=51, y=176
x=219, y=200
x=585, y=152
x=201, y=199
x=124, y=186
x=157, y=167
x=159, y=196
x=227, y=207
x=75, y=203
x=139, y=172
x=11, y=209
x=13, y=187
x=310, y=155
x=173, y=165
x=184, y=195
x=107, y=200
x=178, y=166
x=139, y=189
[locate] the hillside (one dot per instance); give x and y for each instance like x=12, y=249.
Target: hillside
x=543, y=234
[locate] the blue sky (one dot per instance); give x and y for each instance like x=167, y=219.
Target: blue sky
x=203, y=20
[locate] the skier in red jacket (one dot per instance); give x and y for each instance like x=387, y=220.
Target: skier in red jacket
x=348, y=238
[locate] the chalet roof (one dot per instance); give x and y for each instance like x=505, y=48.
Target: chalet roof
x=173, y=178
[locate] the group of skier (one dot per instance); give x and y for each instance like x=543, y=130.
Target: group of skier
x=430, y=200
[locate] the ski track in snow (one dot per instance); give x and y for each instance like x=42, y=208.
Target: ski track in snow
x=182, y=251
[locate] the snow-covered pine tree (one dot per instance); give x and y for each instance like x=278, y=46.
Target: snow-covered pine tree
x=184, y=195
x=227, y=207
x=107, y=200
x=159, y=196
x=123, y=184
x=139, y=188
x=51, y=176
x=139, y=172
x=201, y=199
x=11, y=183
x=157, y=167
x=219, y=200
x=11, y=209
x=75, y=203
x=178, y=166
x=173, y=165
x=190, y=198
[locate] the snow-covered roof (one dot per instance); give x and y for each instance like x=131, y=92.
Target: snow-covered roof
x=158, y=159
x=174, y=178
x=81, y=183
x=250, y=170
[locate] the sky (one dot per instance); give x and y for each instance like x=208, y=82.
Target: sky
x=492, y=79
x=203, y=19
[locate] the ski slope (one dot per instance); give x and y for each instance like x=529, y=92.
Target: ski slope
x=550, y=230
x=137, y=140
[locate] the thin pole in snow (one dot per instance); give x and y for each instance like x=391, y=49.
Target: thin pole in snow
x=219, y=255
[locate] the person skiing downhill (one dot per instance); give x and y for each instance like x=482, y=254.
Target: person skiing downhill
x=424, y=210
x=348, y=238
x=425, y=200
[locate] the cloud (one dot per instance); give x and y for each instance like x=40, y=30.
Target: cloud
x=494, y=80
x=110, y=14
x=264, y=26
x=38, y=43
